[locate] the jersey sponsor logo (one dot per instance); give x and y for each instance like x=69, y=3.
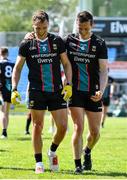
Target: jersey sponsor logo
x=82, y=54
x=84, y=60
x=44, y=58
x=43, y=61
x=49, y=55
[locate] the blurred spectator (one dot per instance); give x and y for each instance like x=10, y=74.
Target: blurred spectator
x=106, y=98
x=6, y=68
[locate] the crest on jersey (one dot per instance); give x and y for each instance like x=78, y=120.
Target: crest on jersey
x=84, y=47
x=93, y=48
x=44, y=47
x=97, y=87
x=54, y=46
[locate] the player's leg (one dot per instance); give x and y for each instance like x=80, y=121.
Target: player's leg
x=28, y=122
x=104, y=114
x=52, y=127
x=5, y=118
x=94, y=122
x=38, y=122
x=77, y=115
x=60, y=119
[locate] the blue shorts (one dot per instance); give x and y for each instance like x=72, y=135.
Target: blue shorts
x=46, y=100
x=82, y=99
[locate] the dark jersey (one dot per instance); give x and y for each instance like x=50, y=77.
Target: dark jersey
x=43, y=61
x=6, y=74
x=84, y=56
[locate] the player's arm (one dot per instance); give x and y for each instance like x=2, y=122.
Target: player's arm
x=15, y=96
x=103, y=64
x=103, y=75
x=17, y=71
x=67, y=67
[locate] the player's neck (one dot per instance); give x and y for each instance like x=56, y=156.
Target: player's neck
x=41, y=37
x=85, y=37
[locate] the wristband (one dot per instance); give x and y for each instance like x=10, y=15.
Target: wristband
x=69, y=83
x=14, y=89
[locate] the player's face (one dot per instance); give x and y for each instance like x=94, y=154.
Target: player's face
x=40, y=28
x=84, y=29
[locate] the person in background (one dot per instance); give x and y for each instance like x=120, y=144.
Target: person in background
x=28, y=122
x=88, y=56
x=108, y=93
x=43, y=56
x=6, y=68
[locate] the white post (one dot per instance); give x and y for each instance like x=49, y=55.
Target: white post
x=86, y=5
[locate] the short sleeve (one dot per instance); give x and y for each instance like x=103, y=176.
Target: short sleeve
x=103, y=54
x=23, y=49
x=61, y=46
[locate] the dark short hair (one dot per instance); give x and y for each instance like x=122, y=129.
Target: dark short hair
x=40, y=15
x=3, y=51
x=85, y=16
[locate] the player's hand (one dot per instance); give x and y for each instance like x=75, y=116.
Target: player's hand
x=29, y=35
x=15, y=97
x=67, y=92
x=97, y=96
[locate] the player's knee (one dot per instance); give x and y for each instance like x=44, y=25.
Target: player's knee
x=95, y=133
x=62, y=128
x=37, y=127
x=78, y=129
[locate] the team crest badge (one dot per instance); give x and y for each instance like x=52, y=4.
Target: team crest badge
x=93, y=48
x=54, y=46
x=97, y=87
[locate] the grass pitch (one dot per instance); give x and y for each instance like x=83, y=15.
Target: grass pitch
x=109, y=156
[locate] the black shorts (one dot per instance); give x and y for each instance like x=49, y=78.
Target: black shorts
x=82, y=99
x=106, y=101
x=6, y=95
x=46, y=100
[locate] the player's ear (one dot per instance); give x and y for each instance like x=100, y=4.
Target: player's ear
x=33, y=27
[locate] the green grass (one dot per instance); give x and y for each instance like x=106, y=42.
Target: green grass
x=16, y=109
x=109, y=156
